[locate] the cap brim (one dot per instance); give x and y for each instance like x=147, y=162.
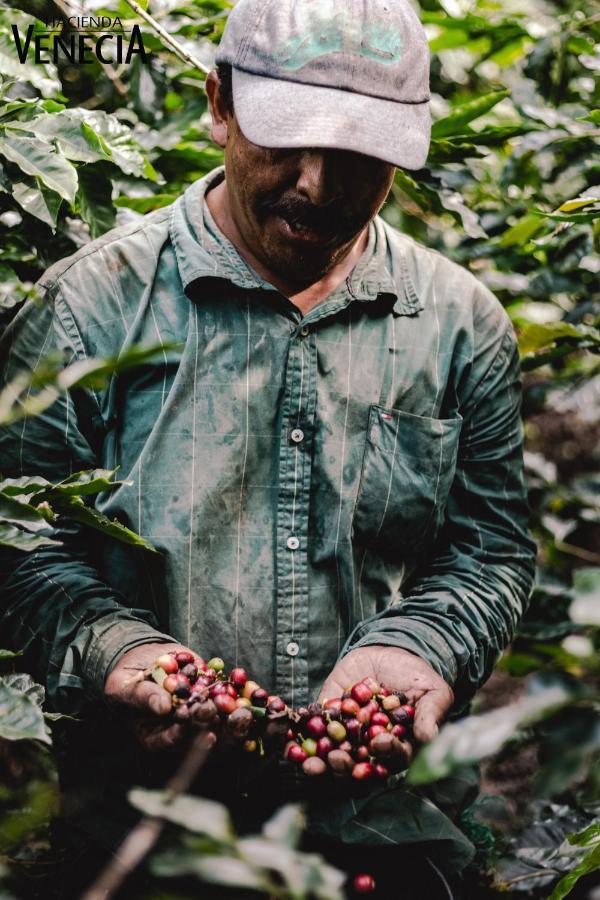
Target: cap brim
x=272, y=112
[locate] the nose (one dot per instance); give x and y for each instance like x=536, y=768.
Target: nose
x=317, y=176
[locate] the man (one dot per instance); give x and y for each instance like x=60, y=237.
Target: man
x=331, y=466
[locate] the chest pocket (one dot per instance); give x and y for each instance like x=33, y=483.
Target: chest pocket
x=407, y=472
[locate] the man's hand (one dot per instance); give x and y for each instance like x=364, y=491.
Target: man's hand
x=155, y=724
x=399, y=670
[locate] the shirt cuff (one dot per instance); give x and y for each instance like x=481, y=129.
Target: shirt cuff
x=107, y=640
x=408, y=634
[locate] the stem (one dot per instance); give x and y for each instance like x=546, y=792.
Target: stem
x=144, y=835
x=166, y=37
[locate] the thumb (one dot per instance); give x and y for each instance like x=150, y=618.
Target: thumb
x=148, y=697
x=430, y=711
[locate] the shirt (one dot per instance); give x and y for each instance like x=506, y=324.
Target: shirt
x=313, y=483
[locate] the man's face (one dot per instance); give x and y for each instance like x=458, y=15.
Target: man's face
x=300, y=211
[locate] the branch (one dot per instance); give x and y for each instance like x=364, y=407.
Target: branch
x=144, y=835
x=166, y=37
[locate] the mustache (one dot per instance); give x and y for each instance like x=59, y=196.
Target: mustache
x=329, y=218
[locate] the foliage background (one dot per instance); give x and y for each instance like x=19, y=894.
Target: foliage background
x=510, y=191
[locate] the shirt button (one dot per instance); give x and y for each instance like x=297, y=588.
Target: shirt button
x=297, y=435
x=292, y=649
x=293, y=543
x=304, y=331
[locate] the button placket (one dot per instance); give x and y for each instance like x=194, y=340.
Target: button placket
x=292, y=523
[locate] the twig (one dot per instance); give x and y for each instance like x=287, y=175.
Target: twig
x=144, y=835
x=529, y=875
x=167, y=38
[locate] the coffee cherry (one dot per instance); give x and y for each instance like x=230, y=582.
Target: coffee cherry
x=250, y=746
x=349, y=707
x=364, y=714
x=384, y=691
x=390, y=702
x=259, y=697
x=353, y=727
x=178, y=685
x=382, y=744
x=239, y=721
x=374, y=730
x=190, y=671
x=340, y=762
x=336, y=731
x=362, y=753
x=296, y=754
x=310, y=747
x=372, y=683
x=167, y=663
x=243, y=702
x=225, y=704
x=209, y=673
x=363, y=884
x=410, y=710
x=345, y=745
x=316, y=726
x=314, y=766
x=216, y=663
x=399, y=716
x=324, y=746
x=363, y=771
x=333, y=703
x=184, y=658
x=381, y=772
x=276, y=705
x=361, y=692
x=249, y=689
x=238, y=677
x=398, y=731
x=380, y=718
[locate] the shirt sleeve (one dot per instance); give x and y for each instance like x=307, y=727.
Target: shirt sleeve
x=69, y=623
x=460, y=607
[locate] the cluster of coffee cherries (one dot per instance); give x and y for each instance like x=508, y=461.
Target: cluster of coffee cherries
x=359, y=734
x=220, y=699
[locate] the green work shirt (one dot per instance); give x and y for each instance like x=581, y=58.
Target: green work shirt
x=313, y=483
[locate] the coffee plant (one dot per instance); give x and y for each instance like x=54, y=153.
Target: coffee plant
x=511, y=192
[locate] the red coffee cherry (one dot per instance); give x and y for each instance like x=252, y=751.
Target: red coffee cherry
x=363, y=884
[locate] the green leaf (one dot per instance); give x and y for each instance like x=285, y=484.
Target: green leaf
x=285, y=826
x=479, y=737
x=521, y=232
x=536, y=337
x=197, y=814
x=20, y=716
x=15, y=538
x=20, y=681
x=74, y=508
x=94, y=199
x=577, y=203
x=585, y=609
x=592, y=116
x=22, y=514
x=464, y=113
x=588, y=836
x=38, y=201
x=10, y=654
x=40, y=159
x=82, y=484
x=590, y=863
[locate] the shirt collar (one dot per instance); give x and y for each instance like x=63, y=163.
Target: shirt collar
x=382, y=269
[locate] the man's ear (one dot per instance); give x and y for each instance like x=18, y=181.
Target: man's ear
x=219, y=114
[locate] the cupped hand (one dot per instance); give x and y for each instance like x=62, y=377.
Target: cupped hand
x=146, y=705
x=398, y=670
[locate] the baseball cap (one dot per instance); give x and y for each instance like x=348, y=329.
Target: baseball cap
x=344, y=74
